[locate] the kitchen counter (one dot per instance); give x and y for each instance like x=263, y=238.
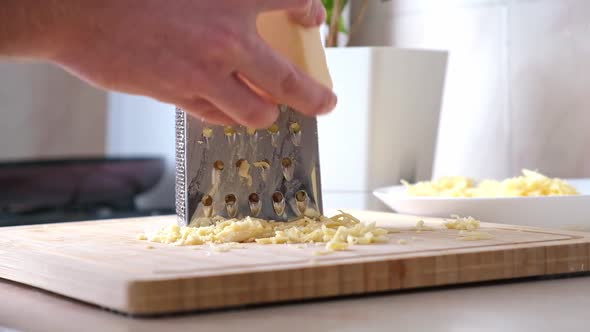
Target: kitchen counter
x=546, y=305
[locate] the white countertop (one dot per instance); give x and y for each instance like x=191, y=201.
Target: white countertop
x=548, y=305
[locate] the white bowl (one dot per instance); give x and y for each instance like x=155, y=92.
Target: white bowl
x=565, y=212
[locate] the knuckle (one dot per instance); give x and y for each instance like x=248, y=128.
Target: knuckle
x=261, y=117
x=208, y=114
x=290, y=82
x=221, y=51
x=226, y=42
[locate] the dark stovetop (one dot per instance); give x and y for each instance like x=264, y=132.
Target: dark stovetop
x=55, y=216
x=65, y=190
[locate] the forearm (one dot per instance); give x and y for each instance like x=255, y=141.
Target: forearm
x=28, y=28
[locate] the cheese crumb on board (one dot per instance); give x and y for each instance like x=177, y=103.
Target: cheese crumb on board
x=462, y=224
x=402, y=241
x=420, y=227
x=338, y=232
x=531, y=183
x=468, y=228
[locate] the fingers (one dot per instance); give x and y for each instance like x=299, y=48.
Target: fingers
x=309, y=17
x=206, y=111
x=242, y=105
x=286, y=83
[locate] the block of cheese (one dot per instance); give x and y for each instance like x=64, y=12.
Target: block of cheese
x=303, y=46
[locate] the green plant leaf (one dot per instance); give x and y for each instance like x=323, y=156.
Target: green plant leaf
x=329, y=5
x=341, y=26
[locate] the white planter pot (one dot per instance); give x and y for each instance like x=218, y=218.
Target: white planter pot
x=385, y=125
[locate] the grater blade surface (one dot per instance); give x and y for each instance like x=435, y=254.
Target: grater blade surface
x=235, y=172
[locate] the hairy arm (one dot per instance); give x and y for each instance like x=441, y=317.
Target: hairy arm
x=186, y=52
x=25, y=26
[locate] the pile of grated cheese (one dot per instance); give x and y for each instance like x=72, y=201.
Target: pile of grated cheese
x=337, y=232
x=529, y=184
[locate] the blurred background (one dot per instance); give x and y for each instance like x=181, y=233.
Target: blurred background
x=486, y=88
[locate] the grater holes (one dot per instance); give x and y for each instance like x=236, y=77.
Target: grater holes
x=278, y=202
x=244, y=171
x=207, y=132
x=229, y=131
x=274, y=132
x=295, y=130
x=230, y=134
x=231, y=205
x=255, y=204
x=273, y=129
x=302, y=201
x=207, y=135
x=264, y=166
x=218, y=165
x=240, y=163
x=301, y=196
x=207, y=202
x=288, y=168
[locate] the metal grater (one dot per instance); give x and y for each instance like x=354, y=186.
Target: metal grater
x=236, y=172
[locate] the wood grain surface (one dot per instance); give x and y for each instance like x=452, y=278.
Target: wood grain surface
x=104, y=264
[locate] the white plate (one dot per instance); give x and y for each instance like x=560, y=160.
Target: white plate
x=566, y=212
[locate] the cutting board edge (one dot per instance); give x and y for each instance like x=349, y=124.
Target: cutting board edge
x=407, y=277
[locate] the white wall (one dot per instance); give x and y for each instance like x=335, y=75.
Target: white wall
x=45, y=113
x=517, y=89
x=384, y=127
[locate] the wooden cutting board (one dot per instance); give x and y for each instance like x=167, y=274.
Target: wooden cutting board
x=103, y=263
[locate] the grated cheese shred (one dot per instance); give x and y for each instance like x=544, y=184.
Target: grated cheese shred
x=469, y=229
x=421, y=226
x=462, y=224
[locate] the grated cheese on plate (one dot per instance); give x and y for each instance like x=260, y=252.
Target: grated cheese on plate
x=529, y=184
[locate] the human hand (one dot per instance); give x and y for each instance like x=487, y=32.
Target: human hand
x=189, y=53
